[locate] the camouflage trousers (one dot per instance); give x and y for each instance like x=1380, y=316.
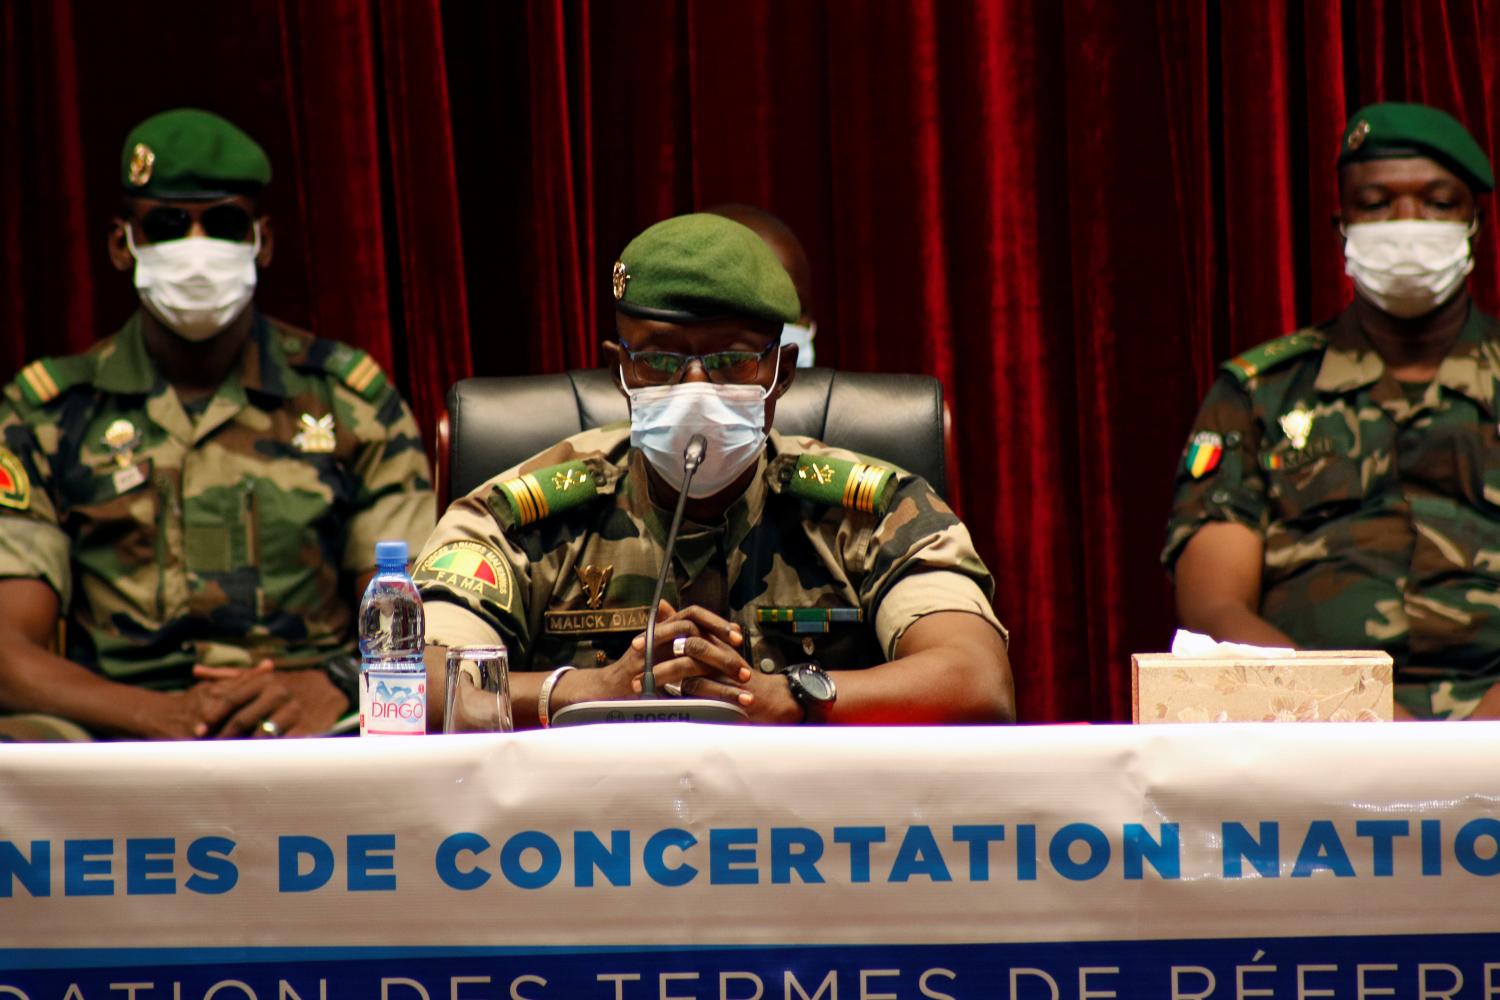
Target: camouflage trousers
x=1450, y=700
x=37, y=728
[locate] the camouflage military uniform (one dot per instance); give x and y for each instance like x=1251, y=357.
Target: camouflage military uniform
x=221, y=539
x=1379, y=503
x=562, y=569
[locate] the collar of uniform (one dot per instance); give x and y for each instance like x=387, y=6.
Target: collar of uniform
x=738, y=518
x=1349, y=362
x=1473, y=365
x=263, y=363
x=124, y=366
x=1470, y=368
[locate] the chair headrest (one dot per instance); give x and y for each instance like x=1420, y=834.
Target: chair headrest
x=499, y=422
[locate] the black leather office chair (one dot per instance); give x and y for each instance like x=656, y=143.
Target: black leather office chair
x=493, y=424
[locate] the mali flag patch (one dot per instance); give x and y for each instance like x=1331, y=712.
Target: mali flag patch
x=15, y=486
x=1204, y=453
x=471, y=567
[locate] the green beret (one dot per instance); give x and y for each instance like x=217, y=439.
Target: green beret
x=190, y=154
x=695, y=268
x=1396, y=131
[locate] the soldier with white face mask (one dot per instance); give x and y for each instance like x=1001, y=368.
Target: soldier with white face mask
x=809, y=584
x=1340, y=488
x=198, y=497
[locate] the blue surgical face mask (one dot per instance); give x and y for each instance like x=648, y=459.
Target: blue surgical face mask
x=731, y=417
x=802, y=336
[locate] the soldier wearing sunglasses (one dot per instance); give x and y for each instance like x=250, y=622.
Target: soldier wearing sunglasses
x=198, y=497
x=809, y=584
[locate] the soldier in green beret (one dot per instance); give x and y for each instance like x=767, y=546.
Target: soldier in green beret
x=1340, y=488
x=809, y=583
x=198, y=497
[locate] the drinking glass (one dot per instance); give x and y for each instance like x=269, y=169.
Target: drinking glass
x=478, y=691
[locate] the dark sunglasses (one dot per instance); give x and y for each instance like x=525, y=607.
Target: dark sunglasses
x=221, y=222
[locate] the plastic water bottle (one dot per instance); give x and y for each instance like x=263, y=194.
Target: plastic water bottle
x=392, y=678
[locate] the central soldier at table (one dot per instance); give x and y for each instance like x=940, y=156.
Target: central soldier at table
x=808, y=583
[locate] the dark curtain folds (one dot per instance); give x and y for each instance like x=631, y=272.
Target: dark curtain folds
x=1069, y=213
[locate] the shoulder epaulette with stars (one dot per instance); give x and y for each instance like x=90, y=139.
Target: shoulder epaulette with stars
x=1272, y=353
x=545, y=492
x=43, y=381
x=840, y=482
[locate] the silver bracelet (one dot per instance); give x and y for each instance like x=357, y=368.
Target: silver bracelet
x=544, y=700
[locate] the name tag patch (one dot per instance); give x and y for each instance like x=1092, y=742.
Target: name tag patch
x=589, y=620
x=129, y=478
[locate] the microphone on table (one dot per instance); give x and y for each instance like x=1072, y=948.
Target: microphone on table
x=648, y=707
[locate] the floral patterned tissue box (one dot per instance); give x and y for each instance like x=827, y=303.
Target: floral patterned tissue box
x=1353, y=686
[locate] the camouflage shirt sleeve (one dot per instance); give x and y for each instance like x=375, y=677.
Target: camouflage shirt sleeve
x=1218, y=477
x=394, y=498
x=32, y=544
x=920, y=560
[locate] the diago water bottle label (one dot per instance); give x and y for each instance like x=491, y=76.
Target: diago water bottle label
x=392, y=703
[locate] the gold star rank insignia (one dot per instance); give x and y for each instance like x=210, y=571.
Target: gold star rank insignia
x=618, y=278
x=316, y=436
x=565, y=481
x=142, y=159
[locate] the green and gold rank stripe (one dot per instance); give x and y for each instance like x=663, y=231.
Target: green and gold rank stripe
x=527, y=498
x=548, y=491
x=38, y=384
x=863, y=487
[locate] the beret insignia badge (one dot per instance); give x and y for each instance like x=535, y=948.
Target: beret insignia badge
x=618, y=278
x=1359, y=134
x=142, y=159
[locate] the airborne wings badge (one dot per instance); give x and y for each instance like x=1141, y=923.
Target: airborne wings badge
x=594, y=579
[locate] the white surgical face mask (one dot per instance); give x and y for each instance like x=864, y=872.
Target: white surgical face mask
x=1408, y=267
x=196, y=285
x=802, y=336
x=731, y=417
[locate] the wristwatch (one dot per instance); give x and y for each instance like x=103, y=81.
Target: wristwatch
x=812, y=687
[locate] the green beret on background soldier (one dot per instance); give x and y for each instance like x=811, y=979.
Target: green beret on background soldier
x=199, y=495
x=1340, y=488
x=788, y=249
x=793, y=556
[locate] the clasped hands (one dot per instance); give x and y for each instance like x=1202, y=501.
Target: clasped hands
x=700, y=654
x=260, y=702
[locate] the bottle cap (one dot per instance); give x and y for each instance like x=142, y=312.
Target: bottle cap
x=390, y=553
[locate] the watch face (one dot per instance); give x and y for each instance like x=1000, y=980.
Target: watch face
x=815, y=684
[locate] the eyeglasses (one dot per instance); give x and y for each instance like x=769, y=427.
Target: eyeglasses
x=221, y=222
x=667, y=367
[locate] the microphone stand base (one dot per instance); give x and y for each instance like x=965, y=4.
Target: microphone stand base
x=649, y=710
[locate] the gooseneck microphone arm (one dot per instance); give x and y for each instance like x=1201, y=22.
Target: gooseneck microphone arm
x=692, y=457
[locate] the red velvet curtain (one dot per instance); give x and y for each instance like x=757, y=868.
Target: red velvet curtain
x=1068, y=212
